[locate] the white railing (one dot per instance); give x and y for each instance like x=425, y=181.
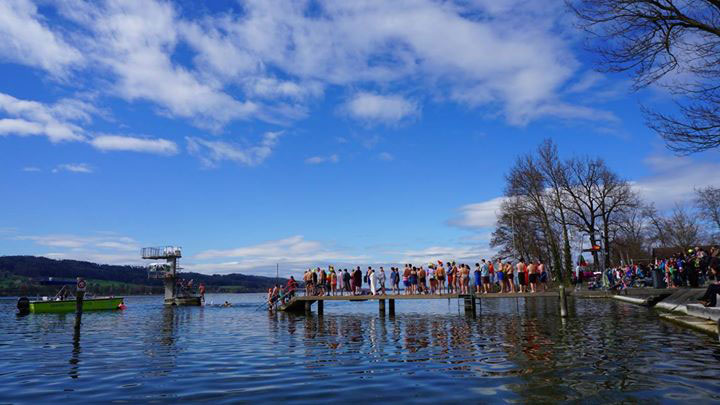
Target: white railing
x=162, y=251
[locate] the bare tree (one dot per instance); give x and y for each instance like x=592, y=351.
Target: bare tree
x=680, y=229
x=527, y=182
x=555, y=173
x=707, y=201
x=579, y=187
x=653, y=38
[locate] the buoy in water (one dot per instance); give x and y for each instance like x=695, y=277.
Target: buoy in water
x=121, y=306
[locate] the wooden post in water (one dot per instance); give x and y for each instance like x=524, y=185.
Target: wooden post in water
x=79, y=295
x=308, y=307
x=381, y=307
x=320, y=307
x=391, y=310
x=563, y=302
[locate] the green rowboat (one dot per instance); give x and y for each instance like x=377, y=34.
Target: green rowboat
x=65, y=306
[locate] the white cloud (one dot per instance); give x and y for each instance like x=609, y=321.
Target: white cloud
x=466, y=254
x=674, y=179
x=27, y=40
x=314, y=160
x=211, y=153
x=106, y=248
x=31, y=169
x=57, y=122
x=73, y=167
x=126, y=143
x=381, y=108
x=293, y=253
x=509, y=56
x=479, y=215
x=386, y=156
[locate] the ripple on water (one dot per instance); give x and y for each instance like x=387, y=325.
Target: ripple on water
x=516, y=351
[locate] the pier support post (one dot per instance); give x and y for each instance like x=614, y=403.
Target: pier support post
x=392, y=308
x=563, y=302
x=308, y=307
x=320, y=307
x=381, y=307
x=470, y=305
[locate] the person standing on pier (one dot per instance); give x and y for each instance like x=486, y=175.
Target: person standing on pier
x=478, y=278
x=395, y=280
x=532, y=276
x=485, y=274
x=422, y=286
x=521, y=275
x=440, y=274
x=381, y=280
x=372, y=280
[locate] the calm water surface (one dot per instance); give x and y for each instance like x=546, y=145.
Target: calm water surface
x=516, y=351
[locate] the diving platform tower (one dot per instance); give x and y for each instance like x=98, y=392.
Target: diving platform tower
x=176, y=291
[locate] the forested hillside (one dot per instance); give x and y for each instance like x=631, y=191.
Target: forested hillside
x=18, y=275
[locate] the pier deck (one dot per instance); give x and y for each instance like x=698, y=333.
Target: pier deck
x=304, y=303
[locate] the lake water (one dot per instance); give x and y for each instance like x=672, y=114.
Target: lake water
x=515, y=351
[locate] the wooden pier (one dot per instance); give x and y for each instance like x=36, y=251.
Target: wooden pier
x=470, y=301
x=304, y=303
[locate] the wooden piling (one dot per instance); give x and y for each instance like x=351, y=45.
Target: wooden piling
x=381, y=307
x=563, y=302
x=392, y=308
x=308, y=307
x=320, y=307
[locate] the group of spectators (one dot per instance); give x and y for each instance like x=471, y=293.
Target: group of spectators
x=438, y=278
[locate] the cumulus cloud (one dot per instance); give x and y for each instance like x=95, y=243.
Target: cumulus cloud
x=58, y=122
x=315, y=160
x=109, y=248
x=73, y=168
x=126, y=143
x=478, y=215
x=379, y=108
x=293, y=253
x=279, y=56
x=26, y=39
x=211, y=153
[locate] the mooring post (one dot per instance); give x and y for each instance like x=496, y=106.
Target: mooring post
x=79, y=295
x=563, y=302
x=320, y=307
x=381, y=307
x=392, y=308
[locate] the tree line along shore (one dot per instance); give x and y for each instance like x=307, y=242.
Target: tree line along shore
x=22, y=275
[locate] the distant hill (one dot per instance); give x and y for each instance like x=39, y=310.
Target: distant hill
x=17, y=274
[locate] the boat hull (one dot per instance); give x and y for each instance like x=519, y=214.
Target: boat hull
x=66, y=306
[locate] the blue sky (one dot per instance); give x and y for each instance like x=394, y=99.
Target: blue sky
x=261, y=132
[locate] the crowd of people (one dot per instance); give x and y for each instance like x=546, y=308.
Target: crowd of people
x=438, y=278
x=691, y=269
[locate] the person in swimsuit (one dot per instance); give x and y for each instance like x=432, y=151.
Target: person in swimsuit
x=510, y=276
x=406, y=280
x=500, y=275
x=422, y=287
x=521, y=275
x=413, y=280
x=485, y=273
x=478, y=281
x=532, y=276
x=440, y=274
x=450, y=279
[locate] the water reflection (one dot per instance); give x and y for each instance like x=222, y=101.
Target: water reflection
x=515, y=351
x=75, y=356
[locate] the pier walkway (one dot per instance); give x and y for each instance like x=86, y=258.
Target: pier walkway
x=304, y=303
